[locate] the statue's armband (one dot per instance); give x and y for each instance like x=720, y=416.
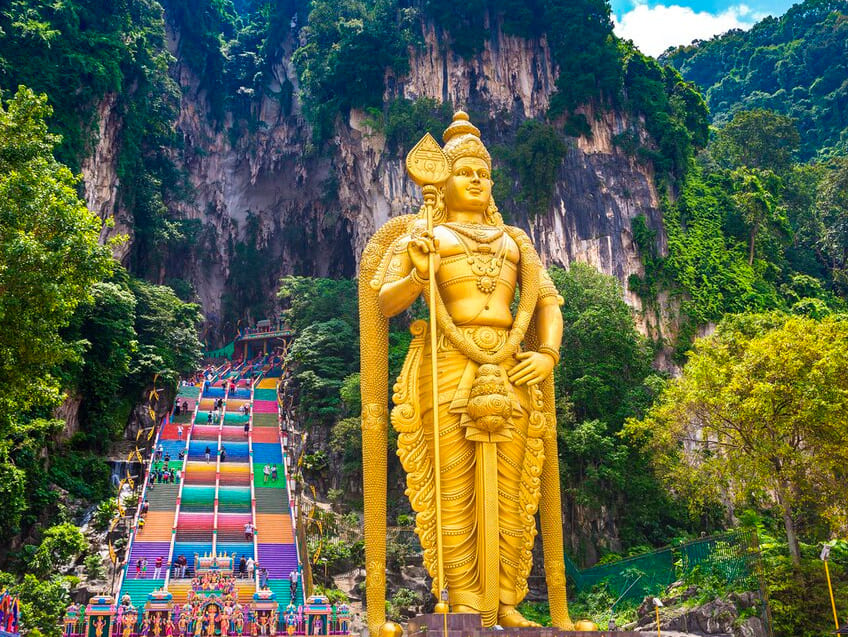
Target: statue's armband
x=548, y=294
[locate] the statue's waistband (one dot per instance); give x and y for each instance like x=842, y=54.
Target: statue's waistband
x=488, y=338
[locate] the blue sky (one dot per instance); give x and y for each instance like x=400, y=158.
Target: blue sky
x=654, y=26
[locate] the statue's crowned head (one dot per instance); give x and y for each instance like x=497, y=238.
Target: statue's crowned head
x=462, y=141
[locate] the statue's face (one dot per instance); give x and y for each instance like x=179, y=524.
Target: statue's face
x=469, y=187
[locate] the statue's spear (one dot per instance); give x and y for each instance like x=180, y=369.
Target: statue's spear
x=428, y=167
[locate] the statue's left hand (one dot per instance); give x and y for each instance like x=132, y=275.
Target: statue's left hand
x=533, y=368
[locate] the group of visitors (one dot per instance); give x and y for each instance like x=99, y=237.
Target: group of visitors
x=142, y=563
x=180, y=566
x=246, y=567
x=165, y=476
x=269, y=472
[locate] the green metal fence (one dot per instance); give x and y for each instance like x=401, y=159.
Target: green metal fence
x=731, y=557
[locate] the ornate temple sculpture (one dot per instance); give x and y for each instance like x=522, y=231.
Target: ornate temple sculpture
x=475, y=493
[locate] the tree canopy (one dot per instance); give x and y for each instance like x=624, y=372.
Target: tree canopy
x=758, y=417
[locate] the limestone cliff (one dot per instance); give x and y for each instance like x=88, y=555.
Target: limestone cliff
x=263, y=195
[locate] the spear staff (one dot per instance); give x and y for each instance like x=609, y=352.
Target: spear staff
x=428, y=167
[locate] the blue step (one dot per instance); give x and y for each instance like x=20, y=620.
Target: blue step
x=197, y=449
x=239, y=548
x=265, y=452
x=236, y=451
x=171, y=447
x=189, y=549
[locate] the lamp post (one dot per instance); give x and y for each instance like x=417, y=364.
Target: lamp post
x=657, y=604
x=825, y=553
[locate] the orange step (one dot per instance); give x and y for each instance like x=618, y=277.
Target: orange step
x=268, y=383
x=179, y=589
x=274, y=528
x=157, y=526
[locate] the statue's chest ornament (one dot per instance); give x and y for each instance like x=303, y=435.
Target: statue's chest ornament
x=485, y=263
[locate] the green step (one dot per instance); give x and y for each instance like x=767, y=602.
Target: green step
x=271, y=501
x=139, y=589
x=163, y=497
x=264, y=420
x=172, y=464
x=234, y=495
x=259, y=477
x=198, y=498
x=265, y=394
x=283, y=590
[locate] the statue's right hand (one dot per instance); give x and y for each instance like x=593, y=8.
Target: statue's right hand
x=419, y=250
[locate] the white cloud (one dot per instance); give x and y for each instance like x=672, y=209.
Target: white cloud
x=654, y=29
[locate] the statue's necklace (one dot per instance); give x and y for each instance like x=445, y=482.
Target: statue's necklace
x=475, y=232
x=485, y=264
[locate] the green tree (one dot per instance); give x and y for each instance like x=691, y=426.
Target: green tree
x=324, y=354
x=604, y=376
x=43, y=602
x=758, y=139
x=830, y=219
x=348, y=46
x=106, y=328
x=59, y=545
x=50, y=258
x=793, y=65
x=755, y=193
x=604, y=359
x=166, y=329
x=311, y=300
x=758, y=414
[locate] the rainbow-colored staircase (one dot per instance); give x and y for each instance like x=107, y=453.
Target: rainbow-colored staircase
x=222, y=488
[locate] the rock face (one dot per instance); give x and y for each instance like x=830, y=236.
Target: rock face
x=719, y=616
x=265, y=196
x=100, y=176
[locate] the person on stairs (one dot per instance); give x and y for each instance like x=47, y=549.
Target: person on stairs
x=293, y=583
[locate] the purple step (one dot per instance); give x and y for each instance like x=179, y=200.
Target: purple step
x=279, y=559
x=150, y=550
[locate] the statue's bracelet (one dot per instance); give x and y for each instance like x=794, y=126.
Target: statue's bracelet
x=416, y=278
x=544, y=349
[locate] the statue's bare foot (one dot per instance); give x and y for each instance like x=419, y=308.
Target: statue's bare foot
x=508, y=617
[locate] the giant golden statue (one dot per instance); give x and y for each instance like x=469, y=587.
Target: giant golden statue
x=477, y=491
